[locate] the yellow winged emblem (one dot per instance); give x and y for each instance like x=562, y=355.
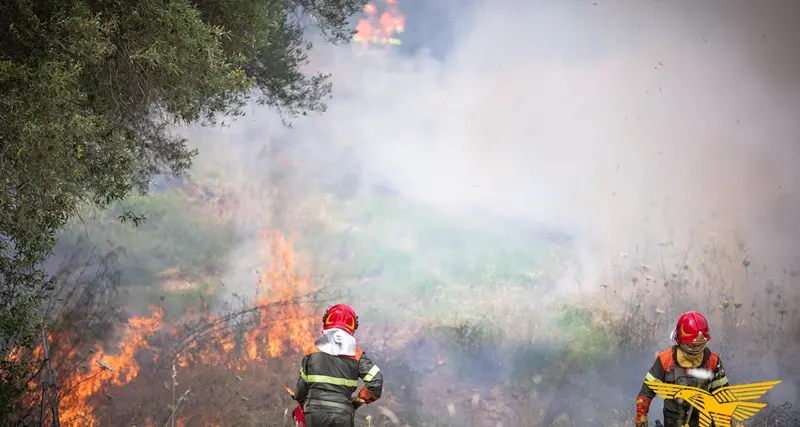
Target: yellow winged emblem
x=722, y=406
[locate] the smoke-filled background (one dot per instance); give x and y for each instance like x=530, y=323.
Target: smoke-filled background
x=619, y=123
x=518, y=200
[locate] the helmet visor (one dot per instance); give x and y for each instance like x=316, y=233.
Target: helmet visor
x=693, y=349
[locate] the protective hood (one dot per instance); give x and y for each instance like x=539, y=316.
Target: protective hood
x=686, y=360
x=336, y=342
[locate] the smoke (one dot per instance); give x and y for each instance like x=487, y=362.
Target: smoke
x=622, y=123
x=619, y=122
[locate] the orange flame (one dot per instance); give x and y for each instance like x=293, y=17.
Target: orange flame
x=381, y=31
x=272, y=335
x=98, y=370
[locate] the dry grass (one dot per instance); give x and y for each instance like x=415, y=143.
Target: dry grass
x=646, y=301
x=436, y=373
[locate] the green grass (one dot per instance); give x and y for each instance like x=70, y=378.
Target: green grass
x=400, y=260
x=175, y=303
x=176, y=235
x=573, y=338
x=409, y=252
x=587, y=343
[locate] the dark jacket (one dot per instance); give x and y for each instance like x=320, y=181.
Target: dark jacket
x=326, y=378
x=666, y=369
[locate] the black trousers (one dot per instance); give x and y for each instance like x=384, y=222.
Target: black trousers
x=671, y=419
x=329, y=419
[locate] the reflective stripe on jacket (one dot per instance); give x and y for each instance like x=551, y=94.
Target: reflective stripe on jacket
x=335, y=378
x=666, y=369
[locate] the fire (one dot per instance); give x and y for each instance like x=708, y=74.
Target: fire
x=274, y=334
x=280, y=328
x=380, y=29
x=76, y=391
x=297, y=326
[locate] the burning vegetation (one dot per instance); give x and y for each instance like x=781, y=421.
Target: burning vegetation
x=380, y=27
x=209, y=369
x=498, y=365
x=128, y=383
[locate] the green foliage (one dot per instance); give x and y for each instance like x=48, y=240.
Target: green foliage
x=410, y=252
x=10, y=373
x=573, y=339
x=90, y=92
x=588, y=344
x=177, y=235
x=174, y=303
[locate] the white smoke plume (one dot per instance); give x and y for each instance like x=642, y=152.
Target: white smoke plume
x=621, y=122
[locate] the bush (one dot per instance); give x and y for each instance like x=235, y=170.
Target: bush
x=177, y=238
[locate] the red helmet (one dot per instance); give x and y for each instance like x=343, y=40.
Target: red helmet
x=340, y=316
x=691, y=332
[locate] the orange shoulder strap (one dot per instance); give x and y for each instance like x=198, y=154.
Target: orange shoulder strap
x=713, y=359
x=359, y=353
x=667, y=360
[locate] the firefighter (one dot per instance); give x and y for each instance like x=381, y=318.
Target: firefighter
x=691, y=334
x=330, y=371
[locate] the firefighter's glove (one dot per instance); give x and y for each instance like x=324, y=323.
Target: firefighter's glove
x=366, y=396
x=641, y=421
x=357, y=402
x=642, y=408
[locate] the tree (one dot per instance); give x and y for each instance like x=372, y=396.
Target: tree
x=89, y=91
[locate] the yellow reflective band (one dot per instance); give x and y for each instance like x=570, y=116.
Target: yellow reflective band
x=327, y=380
x=650, y=377
x=719, y=383
x=372, y=372
x=331, y=380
